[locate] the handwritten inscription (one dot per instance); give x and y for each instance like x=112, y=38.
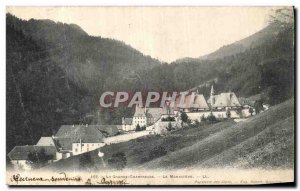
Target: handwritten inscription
x=112, y=182
x=19, y=179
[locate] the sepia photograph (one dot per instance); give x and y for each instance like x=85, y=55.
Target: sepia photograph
x=150, y=96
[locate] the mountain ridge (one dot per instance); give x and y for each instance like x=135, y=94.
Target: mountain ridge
x=239, y=46
x=56, y=74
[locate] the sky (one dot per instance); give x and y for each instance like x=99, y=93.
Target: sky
x=165, y=33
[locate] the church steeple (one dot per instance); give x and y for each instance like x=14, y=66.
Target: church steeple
x=212, y=95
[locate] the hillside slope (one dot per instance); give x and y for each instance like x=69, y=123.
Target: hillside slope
x=267, y=67
x=55, y=74
x=139, y=151
x=266, y=34
x=91, y=62
x=264, y=141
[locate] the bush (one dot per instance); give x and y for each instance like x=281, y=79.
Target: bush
x=156, y=152
x=117, y=161
x=86, y=162
x=168, y=119
x=38, y=159
x=258, y=106
x=169, y=128
x=196, y=122
x=251, y=111
x=228, y=114
x=203, y=119
x=138, y=128
x=211, y=118
x=143, y=128
x=184, y=117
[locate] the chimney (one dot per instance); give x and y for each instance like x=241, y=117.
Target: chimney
x=73, y=125
x=86, y=125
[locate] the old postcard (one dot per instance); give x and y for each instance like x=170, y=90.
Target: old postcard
x=122, y=96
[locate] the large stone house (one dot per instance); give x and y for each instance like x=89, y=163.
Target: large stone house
x=68, y=141
x=127, y=124
x=139, y=118
x=19, y=155
x=145, y=117
x=78, y=139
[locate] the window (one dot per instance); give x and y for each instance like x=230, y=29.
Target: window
x=87, y=149
x=92, y=144
x=76, y=150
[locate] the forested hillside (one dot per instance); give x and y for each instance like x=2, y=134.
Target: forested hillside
x=268, y=68
x=56, y=73
x=268, y=33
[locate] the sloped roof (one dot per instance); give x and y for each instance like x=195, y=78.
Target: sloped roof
x=21, y=152
x=46, y=141
x=158, y=111
x=226, y=100
x=65, y=143
x=109, y=130
x=199, y=102
x=154, y=113
x=88, y=134
x=139, y=112
x=127, y=121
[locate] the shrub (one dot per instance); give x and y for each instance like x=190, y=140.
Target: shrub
x=251, y=111
x=196, y=122
x=38, y=159
x=169, y=128
x=228, y=114
x=258, y=106
x=138, y=128
x=168, y=119
x=156, y=152
x=117, y=161
x=184, y=117
x=203, y=119
x=211, y=118
x=86, y=162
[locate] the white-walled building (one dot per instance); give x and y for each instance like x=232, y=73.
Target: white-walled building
x=139, y=117
x=145, y=117
x=78, y=139
x=19, y=155
x=220, y=105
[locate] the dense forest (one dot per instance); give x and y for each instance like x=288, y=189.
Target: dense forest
x=56, y=73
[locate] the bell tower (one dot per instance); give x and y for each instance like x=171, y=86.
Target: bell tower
x=212, y=95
